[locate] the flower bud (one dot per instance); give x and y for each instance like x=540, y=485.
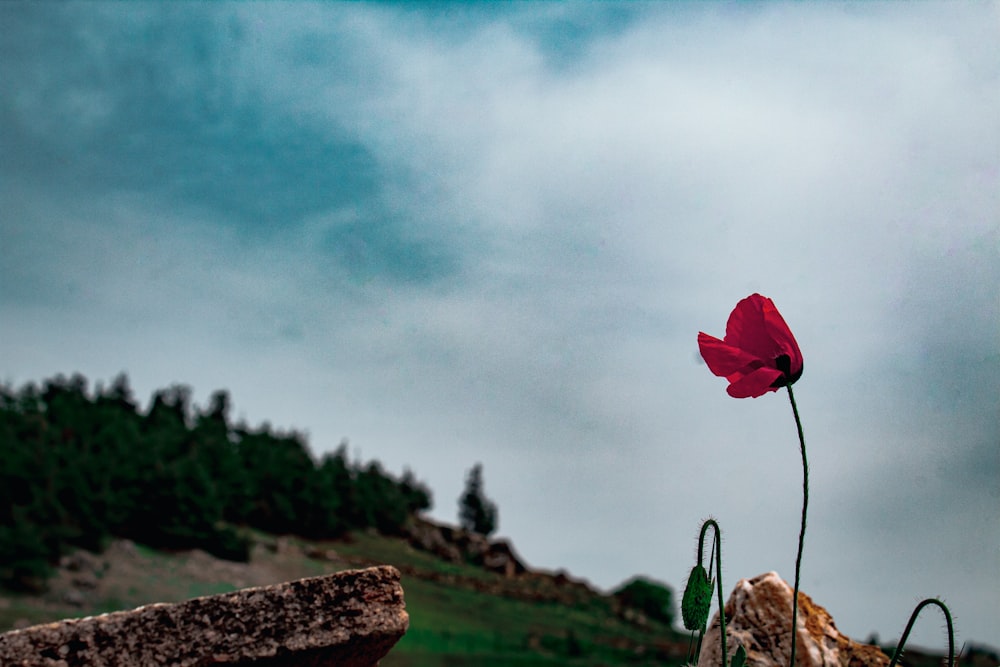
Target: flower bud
x=697, y=599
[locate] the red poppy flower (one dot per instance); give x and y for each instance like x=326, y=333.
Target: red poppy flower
x=759, y=353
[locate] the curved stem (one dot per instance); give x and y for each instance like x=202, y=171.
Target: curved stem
x=718, y=579
x=802, y=529
x=909, y=626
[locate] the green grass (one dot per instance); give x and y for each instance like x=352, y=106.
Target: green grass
x=453, y=626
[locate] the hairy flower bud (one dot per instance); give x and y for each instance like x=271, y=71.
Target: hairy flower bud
x=697, y=599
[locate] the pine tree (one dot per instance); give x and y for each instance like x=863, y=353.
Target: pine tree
x=476, y=512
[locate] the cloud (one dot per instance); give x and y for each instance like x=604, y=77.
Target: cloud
x=172, y=117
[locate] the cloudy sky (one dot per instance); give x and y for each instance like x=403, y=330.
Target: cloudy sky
x=461, y=233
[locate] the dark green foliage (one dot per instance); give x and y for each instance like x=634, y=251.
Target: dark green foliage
x=476, y=512
x=24, y=556
x=78, y=469
x=653, y=599
x=217, y=448
x=333, y=497
x=380, y=500
x=278, y=468
x=416, y=495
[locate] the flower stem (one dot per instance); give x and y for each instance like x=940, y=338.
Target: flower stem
x=897, y=654
x=718, y=579
x=802, y=529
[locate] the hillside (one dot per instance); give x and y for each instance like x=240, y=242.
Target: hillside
x=459, y=614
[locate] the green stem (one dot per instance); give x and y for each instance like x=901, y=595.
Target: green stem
x=693, y=659
x=802, y=529
x=711, y=559
x=718, y=579
x=909, y=626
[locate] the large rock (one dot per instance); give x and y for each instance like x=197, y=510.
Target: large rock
x=759, y=617
x=348, y=619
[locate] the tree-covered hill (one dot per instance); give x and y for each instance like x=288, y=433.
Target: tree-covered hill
x=79, y=467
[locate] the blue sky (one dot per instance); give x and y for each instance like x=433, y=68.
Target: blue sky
x=491, y=233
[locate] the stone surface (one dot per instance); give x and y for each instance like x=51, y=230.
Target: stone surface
x=346, y=619
x=461, y=546
x=758, y=617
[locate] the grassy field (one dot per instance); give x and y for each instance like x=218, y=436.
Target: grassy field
x=459, y=615
x=461, y=627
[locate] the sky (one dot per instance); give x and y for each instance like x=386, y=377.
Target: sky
x=454, y=233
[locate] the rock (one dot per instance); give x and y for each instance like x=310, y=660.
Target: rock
x=457, y=545
x=85, y=581
x=79, y=561
x=758, y=617
x=124, y=549
x=348, y=619
x=501, y=558
x=84, y=570
x=321, y=554
x=433, y=538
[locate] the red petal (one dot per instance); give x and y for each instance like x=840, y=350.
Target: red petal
x=747, y=330
x=755, y=384
x=722, y=358
x=756, y=326
x=782, y=336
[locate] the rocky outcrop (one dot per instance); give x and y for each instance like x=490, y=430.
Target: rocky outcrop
x=758, y=617
x=348, y=619
x=461, y=546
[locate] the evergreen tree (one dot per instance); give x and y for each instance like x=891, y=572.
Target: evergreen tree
x=330, y=499
x=27, y=544
x=278, y=469
x=215, y=442
x=476, y=512
x=78, y=467
x=416, y=494
x=380, y=500
x=125, y=459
